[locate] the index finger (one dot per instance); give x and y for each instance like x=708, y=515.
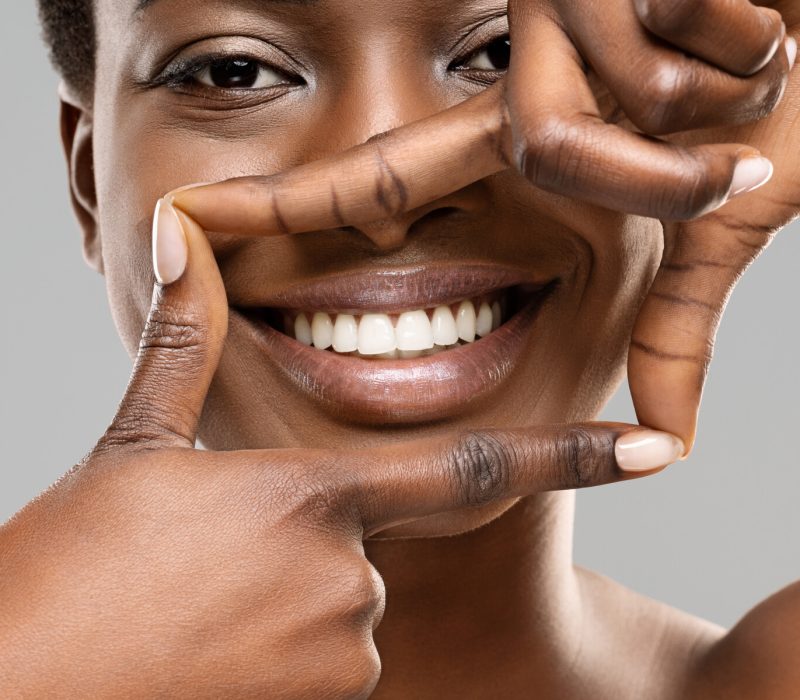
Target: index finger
x=387, y=176
x=483, y=466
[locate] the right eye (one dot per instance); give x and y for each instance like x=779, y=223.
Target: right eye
x=494, y=56
x=238, y=73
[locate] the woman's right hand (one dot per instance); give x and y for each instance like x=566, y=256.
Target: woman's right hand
x=155, y=569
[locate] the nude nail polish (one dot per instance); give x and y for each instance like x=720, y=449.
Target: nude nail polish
x=642, y=450
x=170, y=196
x=791, y=50
x=170, y=252
x=750, y=174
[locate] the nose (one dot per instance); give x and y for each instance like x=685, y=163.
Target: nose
x=389, y=91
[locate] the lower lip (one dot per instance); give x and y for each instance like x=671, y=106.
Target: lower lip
x=402, y=391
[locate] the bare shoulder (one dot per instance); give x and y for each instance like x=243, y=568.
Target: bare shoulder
x=759, y=657
x=666, y=654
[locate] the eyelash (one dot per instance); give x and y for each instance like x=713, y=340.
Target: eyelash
x=183, y=73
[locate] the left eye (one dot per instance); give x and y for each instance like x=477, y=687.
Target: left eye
x=238, y=73
x=495, y=56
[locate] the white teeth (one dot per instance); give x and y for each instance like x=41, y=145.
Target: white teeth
x=345, y=333
x=302, y=330
x=416, y=333
x=465, y=321
x=483, y=324
x=322, y=330
x=375, y=334
x=444, y=326
x=497, y=316
x=413, y=331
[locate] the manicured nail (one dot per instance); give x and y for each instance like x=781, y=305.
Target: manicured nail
x=791, y=50
x=170, y=196
x=641, y=450
x=170, y=251
x=750, y=173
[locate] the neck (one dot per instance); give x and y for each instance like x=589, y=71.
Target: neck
x=462, y=611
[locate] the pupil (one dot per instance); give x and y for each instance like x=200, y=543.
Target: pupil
x=234, y=73
x=499, y=52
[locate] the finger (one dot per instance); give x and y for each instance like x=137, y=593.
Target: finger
x=182, y=339
x=385, y=177
x=563, y=145
x=566, y=149
x=664, y=91
x=673, y=338
x=484, y=466
x=734, y=35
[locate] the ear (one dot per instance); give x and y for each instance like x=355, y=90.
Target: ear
x=76, y=137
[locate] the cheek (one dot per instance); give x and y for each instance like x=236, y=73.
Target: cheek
x=139, y=156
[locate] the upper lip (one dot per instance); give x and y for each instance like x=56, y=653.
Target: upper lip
x=396, y=289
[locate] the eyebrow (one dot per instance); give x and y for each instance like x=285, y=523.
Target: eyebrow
x=142, y=5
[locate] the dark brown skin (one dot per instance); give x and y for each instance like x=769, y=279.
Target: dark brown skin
x=153, y=568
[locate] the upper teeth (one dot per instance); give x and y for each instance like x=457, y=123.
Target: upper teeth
x=408, y=335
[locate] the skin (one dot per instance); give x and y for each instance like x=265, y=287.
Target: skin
x=513, y=616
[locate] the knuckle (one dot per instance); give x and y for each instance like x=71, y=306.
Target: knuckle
x=586, y=457
x=172, y=326
x=360, y=671
x=660, y=98
x=544, y=152
x=691, y=197
x=363, y=595
x=669, y=18
x=696, y=191
x=134, y=427
x=480, y=466
x=391, y=192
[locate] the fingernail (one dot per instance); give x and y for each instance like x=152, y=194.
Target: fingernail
x=170, y=251
x=641, y=450
x=170, y=196
x=750, y=174
x=791, y=50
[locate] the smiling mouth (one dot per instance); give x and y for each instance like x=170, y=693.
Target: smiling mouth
x=408, y=334
x=401, y=346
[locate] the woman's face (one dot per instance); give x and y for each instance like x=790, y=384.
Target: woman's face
x=321, y=76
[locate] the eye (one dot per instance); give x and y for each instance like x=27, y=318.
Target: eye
x=238, y=73
x=494, y=56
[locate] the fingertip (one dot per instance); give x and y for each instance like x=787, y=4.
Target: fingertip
x=750, y=173
x=646, y=449
x=170, y=248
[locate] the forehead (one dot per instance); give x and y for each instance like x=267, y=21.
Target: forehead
x=129, y=29
x=141, y=10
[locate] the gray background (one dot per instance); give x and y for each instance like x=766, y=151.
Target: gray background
x=712, y=535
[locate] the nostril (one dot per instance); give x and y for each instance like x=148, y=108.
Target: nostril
x=440, y=212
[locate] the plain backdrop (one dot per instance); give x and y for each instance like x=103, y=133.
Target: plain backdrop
x=712, y=535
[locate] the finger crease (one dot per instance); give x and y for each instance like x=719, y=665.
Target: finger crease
x=279, y=220
x=661, y=355
x=683, y=301
x=389, y=186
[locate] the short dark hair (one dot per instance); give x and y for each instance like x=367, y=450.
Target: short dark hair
x=68, y=31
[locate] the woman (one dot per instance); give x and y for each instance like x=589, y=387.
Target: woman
x=357, y=399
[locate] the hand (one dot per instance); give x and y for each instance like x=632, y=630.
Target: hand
x=547, y=122
x=673, y=340
x=154, y=569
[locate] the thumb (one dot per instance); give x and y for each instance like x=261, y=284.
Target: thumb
x=182, y=340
